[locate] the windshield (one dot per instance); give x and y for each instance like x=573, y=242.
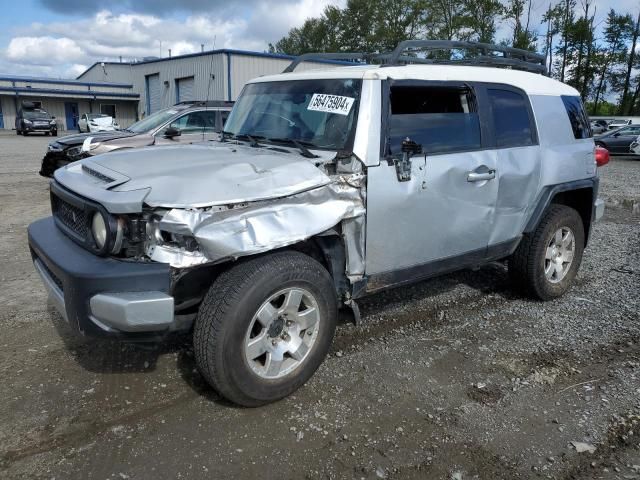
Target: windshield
x=36, y=115
x=153, y=121
x=91, y=116
x=317, y=113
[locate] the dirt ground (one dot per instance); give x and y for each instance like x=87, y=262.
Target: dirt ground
x=453, y=378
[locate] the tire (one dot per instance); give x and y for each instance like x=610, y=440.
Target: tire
x=54, y=133
x=46, y=134
x=530, y=260
x=17, y=132
x=230, y=309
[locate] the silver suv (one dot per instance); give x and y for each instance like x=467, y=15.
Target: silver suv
x=327, y=186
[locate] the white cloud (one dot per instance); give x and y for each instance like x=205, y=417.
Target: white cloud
x=44, y=50
x=59, y=48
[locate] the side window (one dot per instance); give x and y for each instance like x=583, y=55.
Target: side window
x=196, y=122
x=635, y=130
x=441, y=119
x=511, y=119
x=577, y=117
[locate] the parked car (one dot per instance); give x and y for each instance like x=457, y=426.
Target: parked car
x=96, y=122
x=186, y=122
x=599, y=126
x=326, y=186
x=615, y=124
x=31, y=120
x=618, y=141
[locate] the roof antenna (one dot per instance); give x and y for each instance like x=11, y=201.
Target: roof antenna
x=211, y=77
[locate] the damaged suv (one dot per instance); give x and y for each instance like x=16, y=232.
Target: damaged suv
x=327, y=186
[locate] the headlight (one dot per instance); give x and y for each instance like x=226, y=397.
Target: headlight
x=28, y=122
x=99, y=230
x=52, y=122
x=74, y=152
x=107, y=232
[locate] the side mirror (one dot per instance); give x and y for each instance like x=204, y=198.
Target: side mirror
x=172, y=132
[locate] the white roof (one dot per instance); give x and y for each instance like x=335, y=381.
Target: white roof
x=532, y=83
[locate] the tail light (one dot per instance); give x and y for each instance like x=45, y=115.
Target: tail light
x=602, y=156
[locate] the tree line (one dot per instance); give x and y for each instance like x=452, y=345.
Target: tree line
x=593, y=52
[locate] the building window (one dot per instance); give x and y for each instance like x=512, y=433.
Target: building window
x=108, y=109
x=511, y=119
x=441, y=119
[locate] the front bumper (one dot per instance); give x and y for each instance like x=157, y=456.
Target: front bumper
x=40, y=128
x=101, y=296
x=55, y=159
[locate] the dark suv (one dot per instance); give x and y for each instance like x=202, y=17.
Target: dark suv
x=30, y=120
x=184, y=123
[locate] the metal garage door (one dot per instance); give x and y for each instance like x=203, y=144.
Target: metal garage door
x=153, y=93
x=184, y=89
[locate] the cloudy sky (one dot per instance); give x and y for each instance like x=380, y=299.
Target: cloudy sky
x=60, y=38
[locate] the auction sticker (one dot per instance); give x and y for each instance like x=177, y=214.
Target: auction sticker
x=321, y=102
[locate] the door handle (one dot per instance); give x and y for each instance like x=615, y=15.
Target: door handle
x=481, y=176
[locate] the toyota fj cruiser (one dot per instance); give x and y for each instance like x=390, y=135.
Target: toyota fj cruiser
x=326, y=186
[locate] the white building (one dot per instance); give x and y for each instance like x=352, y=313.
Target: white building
x=66, y=99
x=212, y=75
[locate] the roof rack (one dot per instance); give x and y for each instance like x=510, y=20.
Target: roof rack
x=489, y=55
x=310, y=57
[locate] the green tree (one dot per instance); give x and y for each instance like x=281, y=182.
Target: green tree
x=625, y=101
x=480, y=18
x=519, y=13
x=609, y=57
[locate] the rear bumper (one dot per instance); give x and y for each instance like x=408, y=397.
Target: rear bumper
x=598, y=209
x=101, y=296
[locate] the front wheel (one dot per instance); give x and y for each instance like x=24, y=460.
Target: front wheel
x=547, y=260
x=265, y=326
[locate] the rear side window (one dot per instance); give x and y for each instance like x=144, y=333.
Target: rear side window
x=511, y=119
x=577, y=116
x=441, y=119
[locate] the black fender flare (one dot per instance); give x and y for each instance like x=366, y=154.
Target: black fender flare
x=546, y=196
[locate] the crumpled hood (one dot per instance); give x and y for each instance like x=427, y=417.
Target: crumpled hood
x=196, y=175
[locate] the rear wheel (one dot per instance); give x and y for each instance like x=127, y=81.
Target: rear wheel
x=547, y=261
x=265, y=326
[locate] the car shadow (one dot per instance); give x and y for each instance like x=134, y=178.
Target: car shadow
x=114, y=356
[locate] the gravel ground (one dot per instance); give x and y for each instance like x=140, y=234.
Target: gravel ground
x=453, y=378
x=620, y=182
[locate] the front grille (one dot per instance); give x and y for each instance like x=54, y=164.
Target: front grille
x=72, y=217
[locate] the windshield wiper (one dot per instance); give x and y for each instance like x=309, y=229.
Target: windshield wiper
x=243, y=136
x=298, y=144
